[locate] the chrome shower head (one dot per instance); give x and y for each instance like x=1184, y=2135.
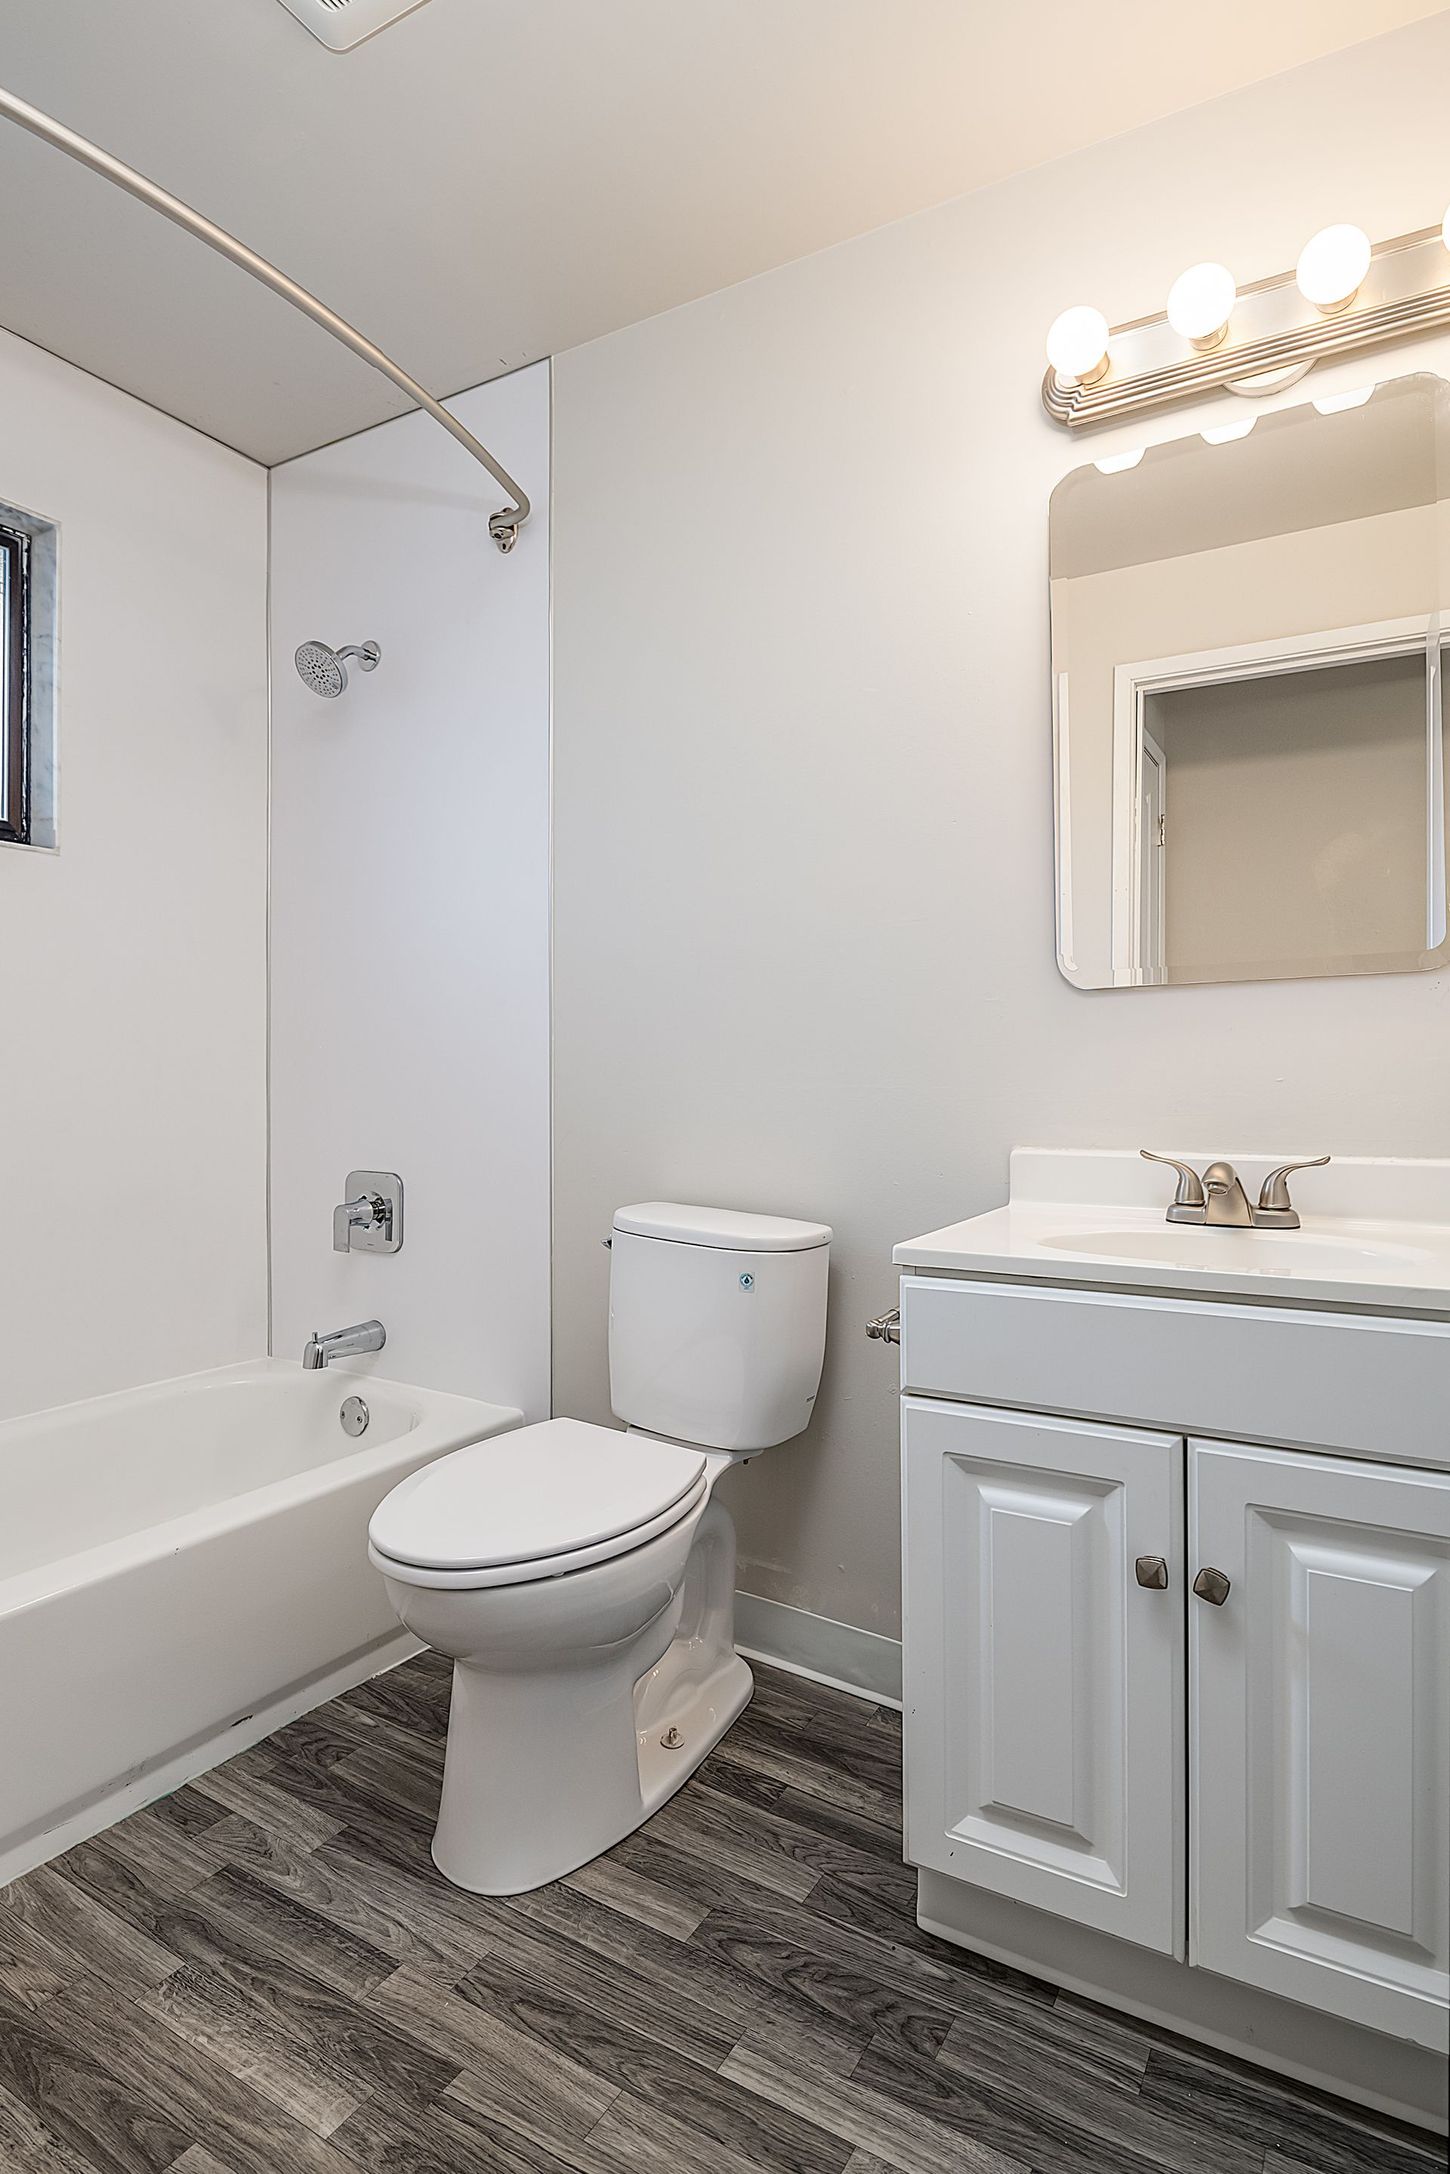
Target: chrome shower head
x=323, y=669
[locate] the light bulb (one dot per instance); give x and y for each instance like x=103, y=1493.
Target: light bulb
x=1077, y=345
x=1331, y=267
x=1113, y=464
x=1200, y=303
x=1225, y=433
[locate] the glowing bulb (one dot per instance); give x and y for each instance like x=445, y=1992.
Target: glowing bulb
x=1077, y=345
x=1200, y=303
x=1335, y=403
x=1225, y=433
x=1113, y=464
x=1331, y=267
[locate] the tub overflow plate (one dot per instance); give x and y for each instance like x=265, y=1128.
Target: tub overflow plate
x=354, y=1415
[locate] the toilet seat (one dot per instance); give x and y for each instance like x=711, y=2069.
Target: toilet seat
x=533, y=1504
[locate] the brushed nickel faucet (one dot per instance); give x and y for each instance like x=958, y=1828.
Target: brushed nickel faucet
x=1218, y=1198
x=320, y=1351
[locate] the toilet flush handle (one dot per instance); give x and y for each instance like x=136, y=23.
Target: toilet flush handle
x=886, y=1327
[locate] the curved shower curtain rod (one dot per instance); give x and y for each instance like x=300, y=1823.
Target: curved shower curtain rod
x=504, y=525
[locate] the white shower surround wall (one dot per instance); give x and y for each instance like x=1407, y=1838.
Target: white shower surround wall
x=410, y=896
x=182, y=1569
x=132, y=971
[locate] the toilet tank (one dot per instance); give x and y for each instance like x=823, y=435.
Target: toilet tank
x=717, y=1323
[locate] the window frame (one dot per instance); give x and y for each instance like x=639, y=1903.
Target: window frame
x=15, y=776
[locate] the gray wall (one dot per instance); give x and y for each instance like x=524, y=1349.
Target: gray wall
x=803, y=943
x=1297, y=821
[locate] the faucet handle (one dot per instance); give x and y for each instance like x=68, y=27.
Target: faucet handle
x=1190, y=1193
x=1274, y=1201
x=370, y=1219
x=366, y=1212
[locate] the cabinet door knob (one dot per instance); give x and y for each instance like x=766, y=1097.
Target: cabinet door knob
x=1211, y=1585
x=1152, y=1571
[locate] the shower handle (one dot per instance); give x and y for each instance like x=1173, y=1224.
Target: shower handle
x=370, y=1216
x=369, y=1211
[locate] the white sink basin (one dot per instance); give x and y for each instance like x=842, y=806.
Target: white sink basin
x=1376, y=1232
x=1235, y=1252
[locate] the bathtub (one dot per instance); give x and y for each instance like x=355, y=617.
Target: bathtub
x=182, y=1569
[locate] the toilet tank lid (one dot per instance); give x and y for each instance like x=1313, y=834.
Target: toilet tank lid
x=724, y=1227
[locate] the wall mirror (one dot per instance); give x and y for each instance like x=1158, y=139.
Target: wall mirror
x=1247, y=658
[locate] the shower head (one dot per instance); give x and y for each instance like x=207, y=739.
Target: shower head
x=323, y=670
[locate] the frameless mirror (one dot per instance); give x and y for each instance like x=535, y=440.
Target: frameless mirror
x=1247, y=661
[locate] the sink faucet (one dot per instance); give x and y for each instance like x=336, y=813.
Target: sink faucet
x=1226, y=1202
x=1218, y=1197
x=320, y=1351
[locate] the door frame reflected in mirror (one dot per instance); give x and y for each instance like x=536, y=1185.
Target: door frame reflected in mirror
x=1138, y=936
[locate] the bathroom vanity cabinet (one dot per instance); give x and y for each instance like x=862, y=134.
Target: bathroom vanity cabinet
x=1177, y=1649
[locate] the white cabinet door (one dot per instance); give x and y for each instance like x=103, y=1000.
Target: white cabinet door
x=1043, y=1681
x=1320, y=1699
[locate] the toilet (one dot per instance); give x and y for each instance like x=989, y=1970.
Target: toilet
x=582, y=1579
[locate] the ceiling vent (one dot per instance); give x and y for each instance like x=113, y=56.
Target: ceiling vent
x=344, y=23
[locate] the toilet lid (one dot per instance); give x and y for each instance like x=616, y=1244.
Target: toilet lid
x=534, y=1493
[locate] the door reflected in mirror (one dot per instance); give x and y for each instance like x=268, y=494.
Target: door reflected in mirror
x=1247, y=670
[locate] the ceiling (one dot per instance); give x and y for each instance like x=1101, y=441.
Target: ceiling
x=489, y=181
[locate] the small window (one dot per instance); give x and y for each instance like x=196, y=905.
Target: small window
x=14, y=686
x=28, y=569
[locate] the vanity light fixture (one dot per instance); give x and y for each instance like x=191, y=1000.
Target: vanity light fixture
x=1344, y=296
x=1331, y=268
x=1200, y=304
x=1077, y=345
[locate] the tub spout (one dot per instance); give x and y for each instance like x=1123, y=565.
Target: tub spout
x=321, y=1350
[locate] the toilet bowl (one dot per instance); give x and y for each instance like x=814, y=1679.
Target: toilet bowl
x=561, y=1699
x=582, y=1579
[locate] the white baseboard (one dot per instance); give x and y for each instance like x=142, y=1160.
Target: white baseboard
x=199, y=1756
x=859, y=1661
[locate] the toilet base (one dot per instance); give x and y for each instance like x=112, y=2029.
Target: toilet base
x=698, y=1711
x=548, y=1768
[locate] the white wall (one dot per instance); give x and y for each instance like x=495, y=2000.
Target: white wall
x=132, y=959
x=410, y=842
x=804, y=937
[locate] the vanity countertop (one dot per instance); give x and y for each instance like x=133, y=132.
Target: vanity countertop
x=1375, y=1232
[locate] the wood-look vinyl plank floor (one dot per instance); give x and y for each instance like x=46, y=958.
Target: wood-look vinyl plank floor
x=264, y=1974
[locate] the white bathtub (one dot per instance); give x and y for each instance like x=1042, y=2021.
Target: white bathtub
x=183, y=1568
